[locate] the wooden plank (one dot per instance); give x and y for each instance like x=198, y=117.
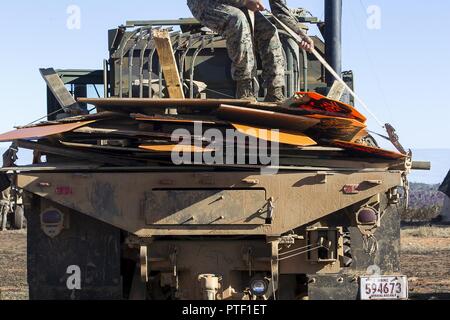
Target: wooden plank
x=366, y=150
x=297, y=139
x=120, y=132
x=168, y=63
x=108, y=132
x=80, y=155
x=42, y=131
x=313, y=101
x=160, y=119
x=175, y=148
x=59, y=90
x=268, y=119
x=335, y=128
x=89, y=117
x=117, y=103
x=96, y=147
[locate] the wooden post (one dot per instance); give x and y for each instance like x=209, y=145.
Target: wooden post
x=59, y=90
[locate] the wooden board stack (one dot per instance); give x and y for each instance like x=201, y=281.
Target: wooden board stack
x=310, y=130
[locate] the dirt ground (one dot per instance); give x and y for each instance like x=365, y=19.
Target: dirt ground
x=425, y=259
x=13, y=265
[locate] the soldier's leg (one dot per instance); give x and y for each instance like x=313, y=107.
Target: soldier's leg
x=232, y=24
x=270, y=49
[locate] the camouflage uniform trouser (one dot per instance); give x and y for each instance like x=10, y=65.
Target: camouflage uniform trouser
x=231, y=22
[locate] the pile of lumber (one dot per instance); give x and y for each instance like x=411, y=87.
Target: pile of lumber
x=311, y=130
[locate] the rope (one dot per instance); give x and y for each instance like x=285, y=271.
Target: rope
x=44, y=117
x=51, y=114
x=330, y=69
x=220, y=93
x=296, y=250
x=301, y=253
x=339, y=79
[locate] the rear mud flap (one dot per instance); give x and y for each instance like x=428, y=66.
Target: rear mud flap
x=86, y=249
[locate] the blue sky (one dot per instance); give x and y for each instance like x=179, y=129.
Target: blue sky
x=402, y=69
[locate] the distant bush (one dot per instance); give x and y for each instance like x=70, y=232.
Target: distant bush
x=425, y=203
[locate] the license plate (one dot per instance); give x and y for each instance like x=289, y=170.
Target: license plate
x=384, y=288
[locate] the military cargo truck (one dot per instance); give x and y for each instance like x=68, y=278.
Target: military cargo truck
x=326, y=225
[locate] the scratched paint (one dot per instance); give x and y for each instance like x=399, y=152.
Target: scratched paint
x=103, y=200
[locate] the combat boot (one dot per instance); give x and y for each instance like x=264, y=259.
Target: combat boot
x=275, y=95
x=244, y=90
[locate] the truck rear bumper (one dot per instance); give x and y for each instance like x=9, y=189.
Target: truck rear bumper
x=202, y=204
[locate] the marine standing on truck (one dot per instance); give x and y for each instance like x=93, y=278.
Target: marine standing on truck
x=227, y=18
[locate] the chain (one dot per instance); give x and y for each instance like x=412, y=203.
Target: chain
x=300, y=253
x=370, y=244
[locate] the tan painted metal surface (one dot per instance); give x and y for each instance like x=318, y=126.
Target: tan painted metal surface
x=120, y=199
x=205, y=207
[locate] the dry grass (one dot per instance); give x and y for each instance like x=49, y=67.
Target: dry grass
x=422, y=240
x=418, y=248
x=426, y=232
x=425, y=259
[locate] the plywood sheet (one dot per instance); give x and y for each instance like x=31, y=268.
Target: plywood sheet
x=175, y=148
x=118, y=103
x=42, y=131
x=168, y=63
x=314, y=101
x=281, y=137
x=336, y=128
x=370, y=151
x=267, y=119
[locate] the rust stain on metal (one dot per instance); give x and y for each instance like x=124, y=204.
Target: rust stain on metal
x=268, y=119
x=41, y=131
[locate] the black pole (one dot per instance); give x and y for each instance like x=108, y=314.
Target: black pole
x=333, y=37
